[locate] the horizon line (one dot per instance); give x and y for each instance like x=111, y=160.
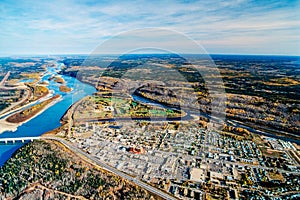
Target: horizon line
x=145, y=53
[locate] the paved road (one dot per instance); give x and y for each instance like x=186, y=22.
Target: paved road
x=4, y=78
x=6, y=111
x=111, y=169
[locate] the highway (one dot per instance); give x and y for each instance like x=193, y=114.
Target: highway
x=10, y=109
x=111, y=169
x=3, y=87
x=4, y=79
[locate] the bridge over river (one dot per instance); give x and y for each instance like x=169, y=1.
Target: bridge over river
x=22, y=139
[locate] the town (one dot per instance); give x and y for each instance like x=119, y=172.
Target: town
x=189, y=160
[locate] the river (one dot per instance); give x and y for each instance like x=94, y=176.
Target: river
x=50, y=118
x=227, y=121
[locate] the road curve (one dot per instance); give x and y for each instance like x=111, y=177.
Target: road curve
x=111, y=169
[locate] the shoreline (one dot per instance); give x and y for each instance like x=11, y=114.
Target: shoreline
x=12, y=127
x=44, y=98
x=185, y=117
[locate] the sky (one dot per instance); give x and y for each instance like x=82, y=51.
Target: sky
x=80, y=26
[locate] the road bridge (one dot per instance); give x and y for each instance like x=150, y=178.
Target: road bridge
x=22, y=139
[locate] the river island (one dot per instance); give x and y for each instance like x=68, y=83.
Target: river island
x=117, y=133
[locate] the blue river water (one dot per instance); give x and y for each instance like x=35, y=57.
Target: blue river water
x=50, y=118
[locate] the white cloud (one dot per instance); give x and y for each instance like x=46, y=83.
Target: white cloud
x=74, y=26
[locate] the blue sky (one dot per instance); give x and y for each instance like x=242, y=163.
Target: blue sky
x=79, y=26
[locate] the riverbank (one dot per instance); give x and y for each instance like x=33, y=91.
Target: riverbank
x=13, y=106
x=10, y=112
x=252, y=127
x=48, y=119
x=12, y=127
